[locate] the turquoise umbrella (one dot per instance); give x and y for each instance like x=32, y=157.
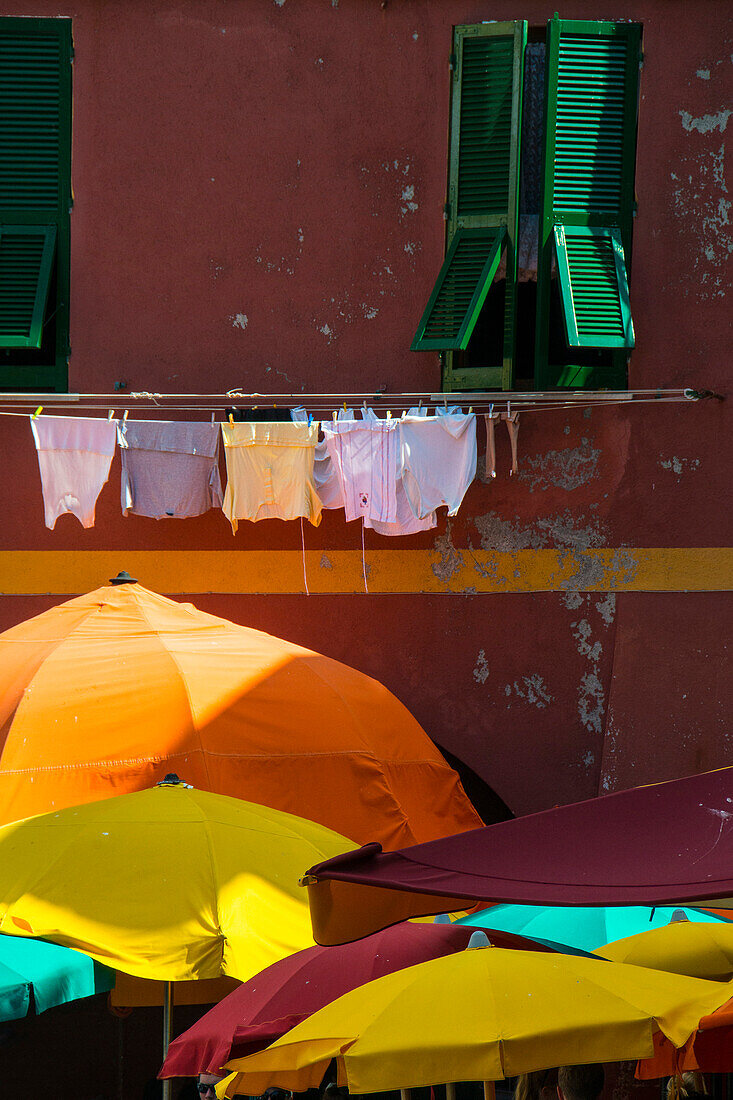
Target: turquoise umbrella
x=581, y=927
x=53, y=974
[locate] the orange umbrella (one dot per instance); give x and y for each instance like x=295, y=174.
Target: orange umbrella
x=108, y=692
x=709, y=1048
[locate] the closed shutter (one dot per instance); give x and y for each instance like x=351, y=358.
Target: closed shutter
x=588, y=186
x=483, y=177
x=35, y=186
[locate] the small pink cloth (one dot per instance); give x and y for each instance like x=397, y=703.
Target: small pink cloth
x=74, y=457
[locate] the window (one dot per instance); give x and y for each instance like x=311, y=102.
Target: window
x=534, y=289
x=35, y=198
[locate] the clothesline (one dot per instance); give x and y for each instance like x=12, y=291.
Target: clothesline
x=318, y=403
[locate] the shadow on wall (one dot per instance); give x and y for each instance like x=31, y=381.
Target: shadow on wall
x=485, y=801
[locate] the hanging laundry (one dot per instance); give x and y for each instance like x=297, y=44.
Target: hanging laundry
x=270, y=471
x=437, y=459
x=328, y=485
x=512, y=423
x=406, y=522
x=74, y=457
x=364, y=454
x=169, y=469
x=490, y=419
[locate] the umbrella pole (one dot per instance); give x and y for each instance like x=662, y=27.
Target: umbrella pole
x=167, y=1032
x=489, y=1090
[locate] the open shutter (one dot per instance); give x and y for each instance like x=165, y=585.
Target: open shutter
x=460, y=290
x=35, y=196
x=588, y=187
x=594, y=287
x=483, y=180
x=26, y=257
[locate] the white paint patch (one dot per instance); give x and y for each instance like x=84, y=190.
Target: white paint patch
x=239, y=320
x=704, y=74
x=415, y=36
x=411, y=247
x=280, y=3
x=370, y=312
x=328, y=332
x=706, y=123
x=481, y=671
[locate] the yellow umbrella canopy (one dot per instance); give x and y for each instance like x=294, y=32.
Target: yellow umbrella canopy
x=482, y=1014
x=169, y=883
x=683, y=947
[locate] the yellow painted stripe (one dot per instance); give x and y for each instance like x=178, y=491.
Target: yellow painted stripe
x=68, y=572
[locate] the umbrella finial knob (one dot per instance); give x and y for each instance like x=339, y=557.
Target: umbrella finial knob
x=478, y=939
x=442, y=918
x=678, y=917
x=123, y=577
x=172, y=780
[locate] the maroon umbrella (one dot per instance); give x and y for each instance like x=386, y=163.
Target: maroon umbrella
x=664, y=844
x=273, y=1002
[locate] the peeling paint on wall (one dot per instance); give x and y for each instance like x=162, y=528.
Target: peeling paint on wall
x=561, y=530
x=567, y=469
x=591, y=695
x=532, y=689
x=708, y=122
x=700, y=201
x=451, y=561
x=679, y=466
x=239, y=320
x=481, y=669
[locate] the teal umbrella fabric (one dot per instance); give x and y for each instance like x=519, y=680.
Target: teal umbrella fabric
x=581, y=927
x=54, y=975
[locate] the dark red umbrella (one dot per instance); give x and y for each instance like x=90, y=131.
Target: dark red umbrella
x=273, y=1002
x=665, y=844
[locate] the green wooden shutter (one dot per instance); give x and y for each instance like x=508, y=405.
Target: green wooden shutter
x=26, y=256
x=592, y=76
x=460, y=290
x=483, y=182
x=594, y=287
x=35, y=197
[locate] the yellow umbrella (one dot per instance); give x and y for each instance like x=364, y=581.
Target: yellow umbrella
x=683, y=947
x=169, y=883
x=482, y=1014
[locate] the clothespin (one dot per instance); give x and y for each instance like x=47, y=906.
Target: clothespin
x=212, y=418
x=445, y=402
x=470, y=409
x=110, y=413
x=125, y=414
x=37, y=413
x=231, y=419
x=419, y=405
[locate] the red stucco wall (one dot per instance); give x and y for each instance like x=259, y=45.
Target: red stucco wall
x=258, y=203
